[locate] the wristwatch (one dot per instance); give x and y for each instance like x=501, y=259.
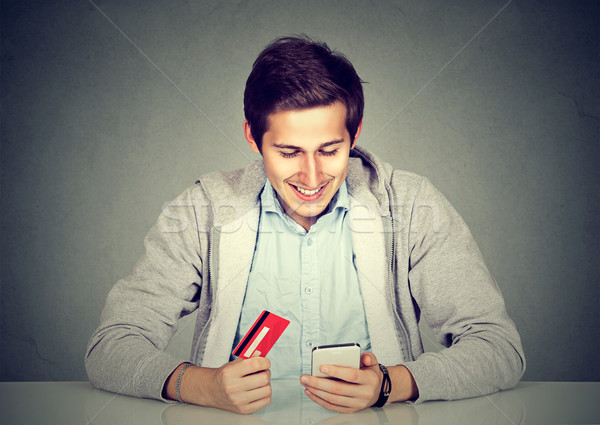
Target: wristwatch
x=386, y=387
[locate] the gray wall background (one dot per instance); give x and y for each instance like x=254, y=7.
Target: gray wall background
x=112, y=108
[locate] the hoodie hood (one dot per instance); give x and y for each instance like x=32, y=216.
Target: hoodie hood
x=369, y=176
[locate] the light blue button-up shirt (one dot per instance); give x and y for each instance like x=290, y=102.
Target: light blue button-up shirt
x=307, y=277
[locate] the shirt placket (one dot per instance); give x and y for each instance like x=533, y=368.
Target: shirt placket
x=309, y=293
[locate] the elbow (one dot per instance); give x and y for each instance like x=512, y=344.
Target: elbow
x=516, y=365
x=94, y=363
x=90, y=365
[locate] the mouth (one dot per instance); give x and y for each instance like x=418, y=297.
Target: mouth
x=307, y=194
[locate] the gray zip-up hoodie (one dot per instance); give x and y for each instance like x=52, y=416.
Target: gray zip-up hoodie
x=415, y=258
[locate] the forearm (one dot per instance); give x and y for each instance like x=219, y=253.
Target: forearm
x=404, y=386
x=471, y=368
x=130, y=366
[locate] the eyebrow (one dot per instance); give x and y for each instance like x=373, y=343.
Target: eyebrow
x=321, y=146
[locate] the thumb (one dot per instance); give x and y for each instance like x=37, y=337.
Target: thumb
x=368, y=359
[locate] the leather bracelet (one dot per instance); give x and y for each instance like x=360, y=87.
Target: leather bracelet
x=178, y=387
x=386, y=387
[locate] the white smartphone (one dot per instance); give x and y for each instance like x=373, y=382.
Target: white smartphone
x=338, y=354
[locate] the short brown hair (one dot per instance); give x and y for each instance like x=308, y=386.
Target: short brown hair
x=299, y=73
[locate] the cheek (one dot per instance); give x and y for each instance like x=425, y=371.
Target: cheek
x=274, y=168
x=337, y=168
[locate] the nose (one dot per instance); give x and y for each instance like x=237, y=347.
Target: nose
x=310, y=174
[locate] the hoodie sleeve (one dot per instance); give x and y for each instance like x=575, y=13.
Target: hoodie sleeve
x=125, y=354
x=462, y=304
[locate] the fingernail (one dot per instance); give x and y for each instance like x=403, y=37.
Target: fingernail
x=304, y=380
x=324, y=369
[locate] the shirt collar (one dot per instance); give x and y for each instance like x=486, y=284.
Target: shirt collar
x=340, y=200
x=268, y=199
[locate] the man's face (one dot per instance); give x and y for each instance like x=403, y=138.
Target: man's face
x=306, y=158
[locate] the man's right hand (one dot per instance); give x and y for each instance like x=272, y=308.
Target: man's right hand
x=241, y=386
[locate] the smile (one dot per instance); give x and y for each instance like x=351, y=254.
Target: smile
x=308, y=195
x=307, y=192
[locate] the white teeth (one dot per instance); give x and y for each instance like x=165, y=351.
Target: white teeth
x=307, y=192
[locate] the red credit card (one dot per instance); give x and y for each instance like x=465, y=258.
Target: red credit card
x=261, y=337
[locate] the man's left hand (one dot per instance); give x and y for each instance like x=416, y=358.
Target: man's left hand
x=351, y=391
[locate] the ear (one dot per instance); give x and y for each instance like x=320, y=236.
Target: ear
x=358, y=130
x=249, y=138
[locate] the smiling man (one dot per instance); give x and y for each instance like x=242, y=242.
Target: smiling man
x=306, y=154
x=320, y=232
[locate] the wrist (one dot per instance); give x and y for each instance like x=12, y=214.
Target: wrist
x=386, y=387
x=179, y=380
x=404, y=386
x=193, y=385
x=170, y=387
x=196, y=386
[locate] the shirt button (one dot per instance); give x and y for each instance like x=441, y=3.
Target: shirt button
x=308, y=290
x=309, y=344
x=309, y=242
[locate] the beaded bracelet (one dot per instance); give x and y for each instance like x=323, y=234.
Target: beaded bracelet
x=178, y=387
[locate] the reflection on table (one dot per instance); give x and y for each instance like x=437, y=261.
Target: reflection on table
x=68, y=403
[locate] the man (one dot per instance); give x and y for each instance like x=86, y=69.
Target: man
x=323, y=233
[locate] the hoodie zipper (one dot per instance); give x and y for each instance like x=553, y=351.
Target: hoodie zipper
x=392, y=286
x=212, y=295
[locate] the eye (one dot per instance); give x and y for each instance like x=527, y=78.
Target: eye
x=288, y=155
x=329, y=153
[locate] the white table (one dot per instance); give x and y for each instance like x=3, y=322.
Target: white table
x=68, y=403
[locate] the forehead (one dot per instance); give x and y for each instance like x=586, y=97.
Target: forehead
x=315, y=125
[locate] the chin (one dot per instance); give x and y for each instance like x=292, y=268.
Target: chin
x=311, y=214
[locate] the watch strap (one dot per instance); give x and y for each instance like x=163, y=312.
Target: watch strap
x=386, y=387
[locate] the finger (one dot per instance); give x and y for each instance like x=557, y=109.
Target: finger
x=256, y=405
x=331, y=386
x=244, y=375
x=254, y=394
x=337, y=399
x=329, y=405
x=253, y=365
x=348, y=374
x=368, y=359
x=364, y=391
x=256, y=380
x=250, y=401
x=264, y=400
